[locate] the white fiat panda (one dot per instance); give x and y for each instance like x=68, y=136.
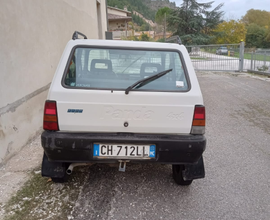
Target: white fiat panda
x=124, y=102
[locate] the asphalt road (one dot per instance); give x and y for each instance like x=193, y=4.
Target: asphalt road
x=237, y=162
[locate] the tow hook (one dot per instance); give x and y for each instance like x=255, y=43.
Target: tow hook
x=122, y=165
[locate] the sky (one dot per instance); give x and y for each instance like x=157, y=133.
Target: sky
x=235, y=9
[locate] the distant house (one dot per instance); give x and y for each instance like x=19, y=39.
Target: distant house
x=118, y=21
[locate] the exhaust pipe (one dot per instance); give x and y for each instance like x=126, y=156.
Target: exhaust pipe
x=71, y=166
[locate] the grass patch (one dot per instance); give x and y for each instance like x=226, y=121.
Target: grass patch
x=40, y=199
x=198, y=58
x=258, y=57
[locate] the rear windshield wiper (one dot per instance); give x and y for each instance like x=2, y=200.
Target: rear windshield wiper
x=147, y=80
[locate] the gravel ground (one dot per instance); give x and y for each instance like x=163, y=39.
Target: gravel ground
x=16, y=171
x=237, y=163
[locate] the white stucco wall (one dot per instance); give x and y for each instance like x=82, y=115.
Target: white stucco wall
x=33, y=36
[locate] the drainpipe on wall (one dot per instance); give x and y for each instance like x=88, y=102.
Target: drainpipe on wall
x=108, y=35
x=107, y=14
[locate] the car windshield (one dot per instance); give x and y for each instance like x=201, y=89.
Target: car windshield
x=116, y=69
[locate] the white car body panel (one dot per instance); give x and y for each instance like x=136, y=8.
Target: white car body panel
x=107, y=111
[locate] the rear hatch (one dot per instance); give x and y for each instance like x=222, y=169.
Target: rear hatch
x=92, y=95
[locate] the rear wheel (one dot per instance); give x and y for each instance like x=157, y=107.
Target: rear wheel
x=178, y=175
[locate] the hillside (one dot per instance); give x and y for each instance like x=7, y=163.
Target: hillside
x=156, y=4
x=147, y=8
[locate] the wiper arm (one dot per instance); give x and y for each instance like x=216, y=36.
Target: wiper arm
x=147, y=80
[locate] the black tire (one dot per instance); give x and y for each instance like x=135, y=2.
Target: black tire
x=177, y=171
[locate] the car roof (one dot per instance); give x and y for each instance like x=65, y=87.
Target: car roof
x=123, y=43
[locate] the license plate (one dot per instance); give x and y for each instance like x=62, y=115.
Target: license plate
x=124, y=151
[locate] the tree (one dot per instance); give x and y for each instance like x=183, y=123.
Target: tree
x=194, y=22
x=257, y=36
x=160, y=15
x=230, y=32
x=160, y=40
x=137, y=19
x=145, y=27
x=140, y=22
x=261, y=18
x=144, y=37
x=267, y=38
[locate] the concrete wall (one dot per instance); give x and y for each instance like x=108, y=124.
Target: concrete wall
x=117, y=35
x=117, y=25
x=33, y=36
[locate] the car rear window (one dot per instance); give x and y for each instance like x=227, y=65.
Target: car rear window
x=117, y=69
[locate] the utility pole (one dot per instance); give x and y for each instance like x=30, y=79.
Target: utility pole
x=164, y=32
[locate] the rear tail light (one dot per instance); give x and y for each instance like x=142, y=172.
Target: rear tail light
x=198, y=124
x=50, y=121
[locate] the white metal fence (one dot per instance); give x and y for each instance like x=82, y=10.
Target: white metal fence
x=260, y=61
x=229, y=57
x=215, y=57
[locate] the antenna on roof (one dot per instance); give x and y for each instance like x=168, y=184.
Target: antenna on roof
x=174, y=39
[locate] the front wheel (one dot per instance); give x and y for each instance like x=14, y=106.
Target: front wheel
x=177, y=171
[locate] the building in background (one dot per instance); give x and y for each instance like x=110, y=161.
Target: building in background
x=34, y=35
x=118, y=22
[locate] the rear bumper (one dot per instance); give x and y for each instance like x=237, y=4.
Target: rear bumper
x=78, y=147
